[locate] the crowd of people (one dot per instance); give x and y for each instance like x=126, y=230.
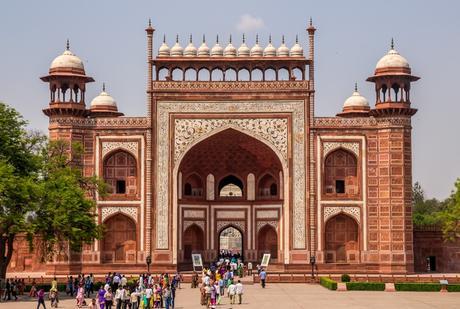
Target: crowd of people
x=11, y=288
x=223, y=279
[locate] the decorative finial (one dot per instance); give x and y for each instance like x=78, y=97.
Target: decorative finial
x=356, y=87
x=68, y=45
x=257, y=39
x=230, y=40
x=282, y=39
x=177, y=38
x=204, y=39
x=217, y=39
x=150, y=22
x=190, y=38
x=311, y=22
x=392, y=44
x=103, y=87
x=164, y=38
x=244, y=39
x=270, y=39
x=297, y=39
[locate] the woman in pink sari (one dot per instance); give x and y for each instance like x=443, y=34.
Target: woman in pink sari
x=80, y=296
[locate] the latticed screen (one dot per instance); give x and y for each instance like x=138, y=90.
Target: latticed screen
x=341, y=171
x=120, y=173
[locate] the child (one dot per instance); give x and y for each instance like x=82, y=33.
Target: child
x=41, y=298
x=53, y=298
x=93, y=304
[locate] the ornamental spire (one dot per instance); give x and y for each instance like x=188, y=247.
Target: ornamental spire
x=270, y=39
x=392, y=44
x=244, y=39
x=164, y=38
x=190, y=38
x=177, y=38
x=257, y=38
x=103, y=87
x=282, y=39
x=68, y=45
x=204, y=38
x=297, y=39
x=356, y=87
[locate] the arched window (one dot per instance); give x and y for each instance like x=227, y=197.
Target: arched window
x=257, y=75
x=231, y=186
x=177, y=74
x=341, y=173
x=342, y=240
x=297, y=74
x=120, y=173
x=162, y=74
x=230, y=75
x=283, y=74
x=204, y=75
x=193, y=186
x=270, y=74
x=217, y=75
x=243, y=75
x=190, y=74
x=268, y=187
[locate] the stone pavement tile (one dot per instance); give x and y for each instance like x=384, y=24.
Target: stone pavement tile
x=300, y=296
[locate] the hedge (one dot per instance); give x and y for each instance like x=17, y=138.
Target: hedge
x=365, y=286
x=453, y=288
x=328, y=283
x=418, y=287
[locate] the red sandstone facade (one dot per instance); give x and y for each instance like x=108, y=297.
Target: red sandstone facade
x=230, y=139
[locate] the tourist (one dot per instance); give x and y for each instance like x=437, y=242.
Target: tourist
x=157, y=295
x=80, y=296
x=7, y=290
x=119, y=297
x=93, y=304
x=263, y=277
x=115, y=281
x=232, y=292
x=53, y=298
x=14, y=289
x=91, y=277
x=108, y=296
x=202, y=295
x=167, y=296
x=134, y=299
x=221, y=286
x=33, y=289
x=214, y=295
x=100, y=297
x=173, y=296
x=148, y=295
x=69, y=286
x=123, y=280
x=88, y=286
x=194, y=280
x=41, y=298
x=239, y=291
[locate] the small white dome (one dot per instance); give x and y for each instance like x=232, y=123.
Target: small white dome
x=164, y=50
x=283, y=50
x=270, y=50
x=256, y=50
x=243, y=50
x=190, y=50
x=217, y=50
x=103, y=100
x=356, y=100
x=392, y=60
x=230, y=50
x=67, y=60
x=296, y=50
x=177, y=50
x=203, y=50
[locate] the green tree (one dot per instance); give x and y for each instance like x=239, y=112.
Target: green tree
x=43, y=193
x=450, y=215
x=424, y=211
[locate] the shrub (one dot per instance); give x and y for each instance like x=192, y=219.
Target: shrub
x=328, y=283
x=453, y=288
x=365, y=286
x=422, y=287
x=346, y=278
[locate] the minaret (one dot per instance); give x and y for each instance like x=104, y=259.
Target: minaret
x=67, y=82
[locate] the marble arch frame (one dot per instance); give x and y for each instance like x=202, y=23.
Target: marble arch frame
x=202, y=138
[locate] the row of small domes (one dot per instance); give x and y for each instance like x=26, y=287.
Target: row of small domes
x=230, y=51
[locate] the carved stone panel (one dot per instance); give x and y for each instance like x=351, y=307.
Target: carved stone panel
x=230, y=214
x=129, y=211
x=355, y=212
x=131, y=147
x=223, y=224
x=193, y=213
x=331, y=146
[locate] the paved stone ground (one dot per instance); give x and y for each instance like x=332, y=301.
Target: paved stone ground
x=300, y=296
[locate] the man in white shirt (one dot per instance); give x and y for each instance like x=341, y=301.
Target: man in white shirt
x=249, y=268
x=239, y=291
x=116, y=281
x=148, y=295
x=123, y=281
x=232, y=292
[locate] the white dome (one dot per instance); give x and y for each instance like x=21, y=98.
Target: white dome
x=392, y=60
x=67, y=60
x=256, y=50
x=296, y=50
x=217, y=50
x=243, y=50
x=103, y=100
x=190, y=50
x=356, y=100
x=203, y=50
x=283, y=50
x=164, y=50
x=177, y=50
x=230, y=50
x=270, y=50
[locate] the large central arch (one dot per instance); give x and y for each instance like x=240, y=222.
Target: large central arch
x=230, y=157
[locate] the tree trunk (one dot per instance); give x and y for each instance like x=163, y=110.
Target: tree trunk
x=6, y=246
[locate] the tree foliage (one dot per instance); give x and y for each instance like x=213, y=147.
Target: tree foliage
x=43, y=193
x=450, y=216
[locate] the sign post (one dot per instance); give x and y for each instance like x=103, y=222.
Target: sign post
x=197, y=261
x=265, y=260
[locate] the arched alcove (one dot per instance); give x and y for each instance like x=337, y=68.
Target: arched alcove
x=342, y=239
x=341, y=173
x=119, y=243
x=120, y=173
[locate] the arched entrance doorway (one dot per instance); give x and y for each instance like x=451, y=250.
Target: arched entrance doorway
x=231, y=242
x=342, y=240
x=193, y=241
x=232, y=162
x=119, y=244
x=267, y=242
